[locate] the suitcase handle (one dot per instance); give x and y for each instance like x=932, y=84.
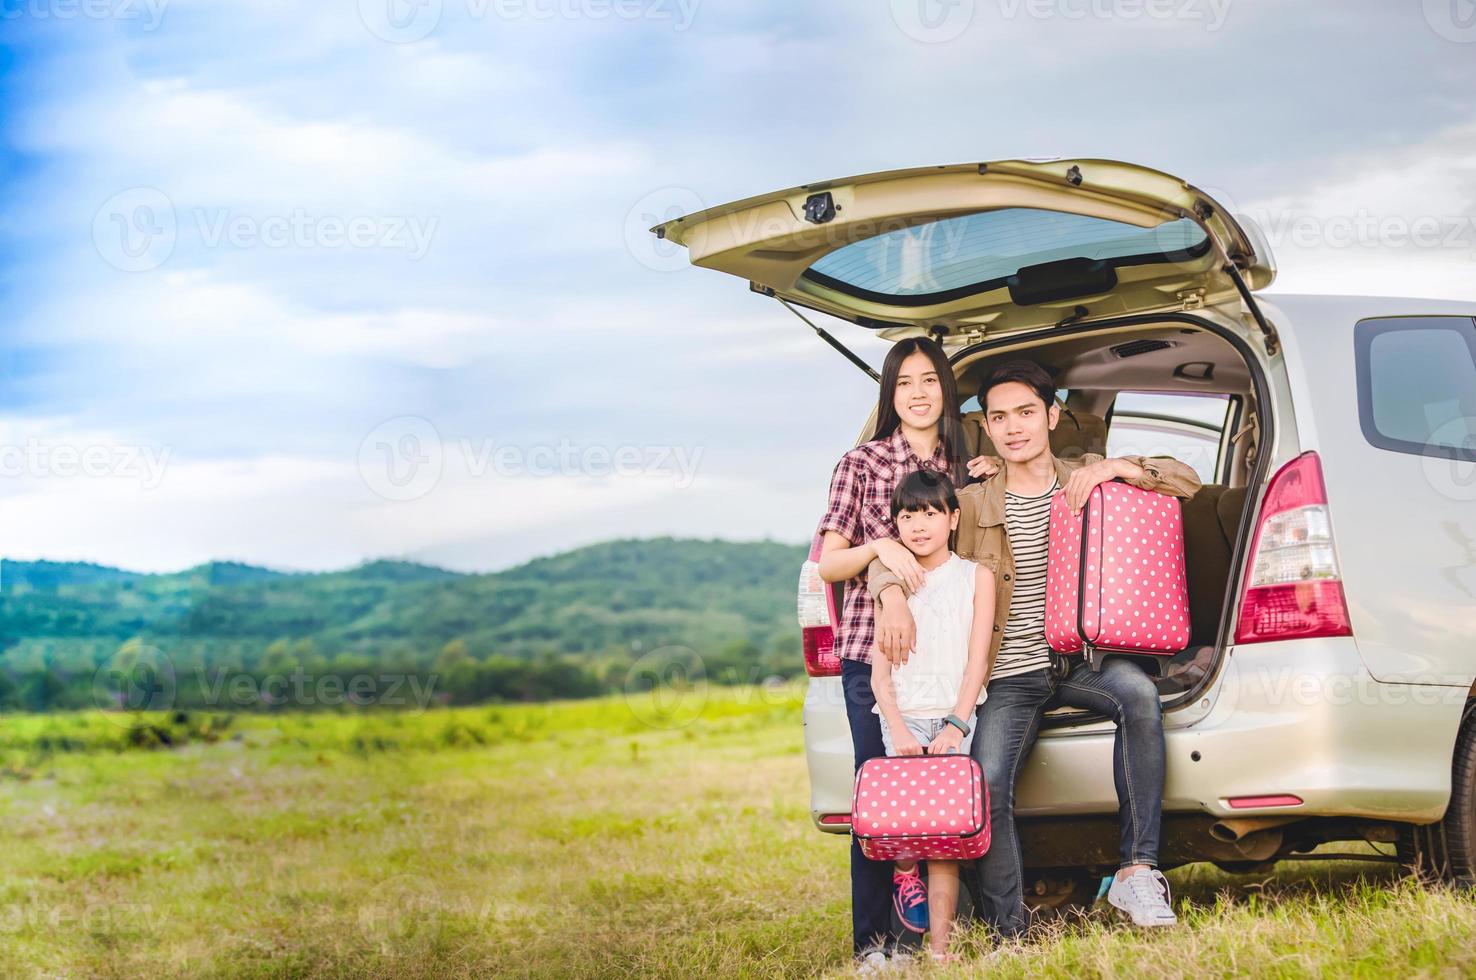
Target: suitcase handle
x=1088, y=648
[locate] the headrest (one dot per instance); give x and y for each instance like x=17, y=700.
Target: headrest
x=1074, y=435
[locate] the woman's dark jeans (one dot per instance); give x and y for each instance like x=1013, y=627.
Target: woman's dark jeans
x=1008, y=723
x=871, y=881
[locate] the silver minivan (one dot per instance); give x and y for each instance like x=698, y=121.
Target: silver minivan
x=1326, y=694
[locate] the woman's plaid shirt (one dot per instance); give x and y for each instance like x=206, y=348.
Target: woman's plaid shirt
x=860, y=510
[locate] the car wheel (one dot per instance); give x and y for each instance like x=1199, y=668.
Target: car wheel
x=1060, y=891
x=1048, y=893
x=1446, y=851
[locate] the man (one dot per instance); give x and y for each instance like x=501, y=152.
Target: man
x=1004, y=523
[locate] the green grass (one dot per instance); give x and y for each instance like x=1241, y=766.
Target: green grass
x=653, y=837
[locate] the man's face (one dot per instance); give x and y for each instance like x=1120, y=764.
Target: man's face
x=1018, y=422
x=925, y=531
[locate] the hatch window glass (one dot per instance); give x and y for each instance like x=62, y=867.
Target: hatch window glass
x=976, y=252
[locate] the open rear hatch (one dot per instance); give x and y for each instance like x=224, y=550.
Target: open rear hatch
x=966, y=251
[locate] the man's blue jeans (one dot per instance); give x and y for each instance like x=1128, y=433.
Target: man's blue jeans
x=1008, y=723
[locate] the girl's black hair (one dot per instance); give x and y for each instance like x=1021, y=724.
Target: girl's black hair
x=950, y=428
x=922, y=489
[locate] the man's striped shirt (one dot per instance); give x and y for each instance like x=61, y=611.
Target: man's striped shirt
x=1023, y=647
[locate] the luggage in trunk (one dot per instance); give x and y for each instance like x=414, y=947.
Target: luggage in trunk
x=1126, y=591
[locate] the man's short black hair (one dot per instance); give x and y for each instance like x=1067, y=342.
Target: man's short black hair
x=1027, y=373
x=921, y=489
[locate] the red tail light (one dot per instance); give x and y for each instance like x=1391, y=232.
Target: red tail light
x=816, y=616
x=1293, y=584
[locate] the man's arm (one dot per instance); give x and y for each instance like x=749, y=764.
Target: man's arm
x=896, y=631
x=1162, y=474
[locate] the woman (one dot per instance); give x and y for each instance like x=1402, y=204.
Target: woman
x=917, y=428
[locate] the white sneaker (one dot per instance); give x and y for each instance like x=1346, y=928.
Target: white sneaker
x=1143, y=896
x=872, y=963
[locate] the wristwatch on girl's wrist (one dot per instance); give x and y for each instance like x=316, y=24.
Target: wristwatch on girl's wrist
x=958, y=723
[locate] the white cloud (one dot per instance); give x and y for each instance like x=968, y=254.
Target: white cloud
x=1393, y=222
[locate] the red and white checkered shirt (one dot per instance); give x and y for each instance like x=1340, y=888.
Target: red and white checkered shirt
x=860, y=509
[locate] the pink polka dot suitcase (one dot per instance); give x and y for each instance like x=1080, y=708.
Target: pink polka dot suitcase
x=1131, y=576
x=912, y=808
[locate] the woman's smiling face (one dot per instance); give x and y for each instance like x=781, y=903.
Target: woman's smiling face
x=919, y=394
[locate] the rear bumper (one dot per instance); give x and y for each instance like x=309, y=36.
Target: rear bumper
x=1301, y=717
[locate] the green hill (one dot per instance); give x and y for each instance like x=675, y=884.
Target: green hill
x=75, y=634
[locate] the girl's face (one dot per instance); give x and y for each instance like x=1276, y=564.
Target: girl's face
x=926, y=531
x=919, y=395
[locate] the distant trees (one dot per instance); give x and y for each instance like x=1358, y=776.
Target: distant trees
x=234, y=637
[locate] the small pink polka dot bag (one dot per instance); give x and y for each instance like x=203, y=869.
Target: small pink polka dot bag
x=1132, y=575
x=916, y=807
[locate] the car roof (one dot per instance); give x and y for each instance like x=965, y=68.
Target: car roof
x=1324, y=311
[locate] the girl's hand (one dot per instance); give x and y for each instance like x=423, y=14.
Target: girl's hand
x=900, y=562
x=983, y=467
x=947, y=741
x=906, y=744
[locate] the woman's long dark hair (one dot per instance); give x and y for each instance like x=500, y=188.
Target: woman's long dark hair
x=950, y=430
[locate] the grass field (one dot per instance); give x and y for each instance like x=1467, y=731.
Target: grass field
x=665, y=837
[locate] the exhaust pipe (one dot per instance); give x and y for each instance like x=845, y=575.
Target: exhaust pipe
x=1232, y=829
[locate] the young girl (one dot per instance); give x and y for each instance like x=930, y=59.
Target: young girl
x=917, y=428
x=929, y=702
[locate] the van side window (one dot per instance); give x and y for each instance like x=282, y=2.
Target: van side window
x=1187, y=427
x=1417, y=384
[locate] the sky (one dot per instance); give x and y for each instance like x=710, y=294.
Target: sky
x=310, y=284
